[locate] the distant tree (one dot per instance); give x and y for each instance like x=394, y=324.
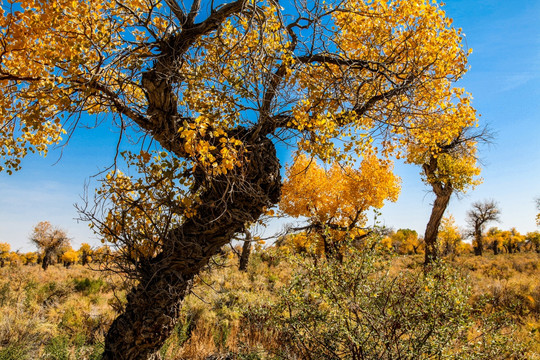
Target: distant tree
x=335, y=201
x=30, y=258
x=533, y=240
x=494, y=240
x=510, y=241
x=70, y=257
x=15, y=258
x=514, y=241
x=448, y=167
x=538, y=208
x=102, y=254
x=4, y=253
x=449, y=237
x=406, y=241
x=482, y=212
x=49, y=240
x=85, y=252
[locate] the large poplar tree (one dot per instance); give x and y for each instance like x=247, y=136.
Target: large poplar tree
x=215, y=85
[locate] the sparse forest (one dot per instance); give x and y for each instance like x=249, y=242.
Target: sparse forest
x=202, y=96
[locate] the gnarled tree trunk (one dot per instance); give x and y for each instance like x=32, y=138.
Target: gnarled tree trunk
x=228, y=202
x=432, y=228
x=443, y=192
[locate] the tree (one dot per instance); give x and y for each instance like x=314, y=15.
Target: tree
x=14, y=258
x=85, y=252
x=511, y=241
x=514, y=241
x=4, y=253
x=30, y=258
x=482, y=212
x=495, y=239
x=448, y=168
x=538, y=215
x=69, y=257
x=533, y=240
x=49, y=240
x=405, y=241
x=214, y=85
x=335, y=201
x=449, y=237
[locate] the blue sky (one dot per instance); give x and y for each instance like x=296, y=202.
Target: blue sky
x=504, y=79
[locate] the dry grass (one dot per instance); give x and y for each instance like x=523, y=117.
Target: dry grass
x=63, y=313
x=40, y=311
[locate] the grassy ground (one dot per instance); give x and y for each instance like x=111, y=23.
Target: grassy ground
x=64, y=313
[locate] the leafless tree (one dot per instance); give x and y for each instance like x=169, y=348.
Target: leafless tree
x=482, y=212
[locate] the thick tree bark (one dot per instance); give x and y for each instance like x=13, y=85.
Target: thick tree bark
x=227, y=203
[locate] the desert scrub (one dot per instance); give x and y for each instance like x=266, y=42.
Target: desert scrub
x=54, y=314
x=357, y=309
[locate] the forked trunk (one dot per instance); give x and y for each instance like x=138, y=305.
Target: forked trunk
x=432, y=229
x=228, y=202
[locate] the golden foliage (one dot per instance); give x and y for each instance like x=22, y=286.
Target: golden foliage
x=340, y=195
x=449, y=239
x=87, y=57
x=144, y=205
x=70, y=257
x=405, y=241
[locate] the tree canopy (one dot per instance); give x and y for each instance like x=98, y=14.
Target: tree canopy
x=370, y=68
x=340, y=196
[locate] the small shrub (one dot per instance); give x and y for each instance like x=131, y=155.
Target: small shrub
x=88, y=286
x=13, y=352
x=57, y=349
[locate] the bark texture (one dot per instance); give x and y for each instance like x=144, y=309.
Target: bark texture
x=228, y=202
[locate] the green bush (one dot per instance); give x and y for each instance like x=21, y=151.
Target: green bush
x=13, y=352
x=88, y=286
x=354, y=309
